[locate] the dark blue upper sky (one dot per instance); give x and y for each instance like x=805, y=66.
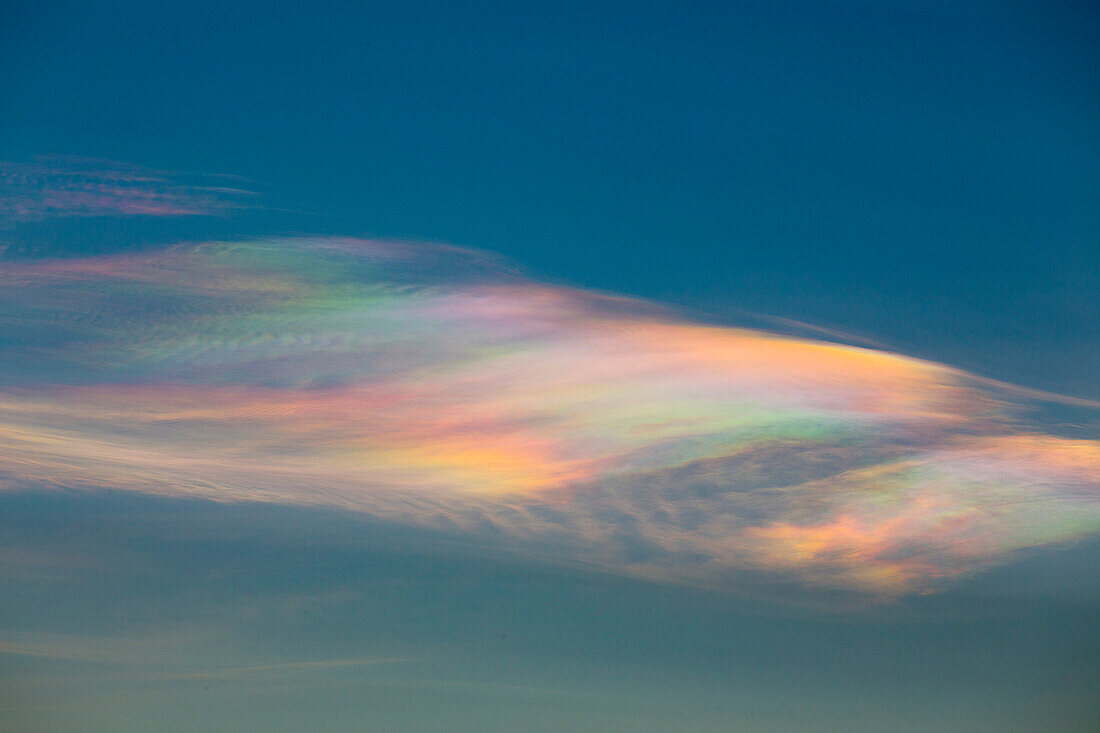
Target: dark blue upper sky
x=925, y=173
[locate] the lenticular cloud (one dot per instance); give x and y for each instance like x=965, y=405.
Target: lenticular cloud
x=433, y=387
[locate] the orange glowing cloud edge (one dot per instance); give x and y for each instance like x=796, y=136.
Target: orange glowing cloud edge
x=368, y=376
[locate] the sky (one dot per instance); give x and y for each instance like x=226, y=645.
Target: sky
x=567, y=366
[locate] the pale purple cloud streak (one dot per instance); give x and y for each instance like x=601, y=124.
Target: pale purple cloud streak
x=58, y=186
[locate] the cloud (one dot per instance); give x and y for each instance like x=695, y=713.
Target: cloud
x=434, y=387
x=161, y=648
x=60, y=186
x=313, y=665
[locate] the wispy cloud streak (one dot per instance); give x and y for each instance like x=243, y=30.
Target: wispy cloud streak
x=66, y=186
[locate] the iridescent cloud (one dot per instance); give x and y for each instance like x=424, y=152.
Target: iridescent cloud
x=432, y=386
x=66, y=186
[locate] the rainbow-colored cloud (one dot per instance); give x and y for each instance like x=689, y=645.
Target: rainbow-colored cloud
x=61, y=186
x=432, y=386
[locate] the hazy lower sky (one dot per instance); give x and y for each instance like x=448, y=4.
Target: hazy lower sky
x=565, y=366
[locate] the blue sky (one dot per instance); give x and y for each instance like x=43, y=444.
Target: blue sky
x=594, y=513
x=923, y=172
